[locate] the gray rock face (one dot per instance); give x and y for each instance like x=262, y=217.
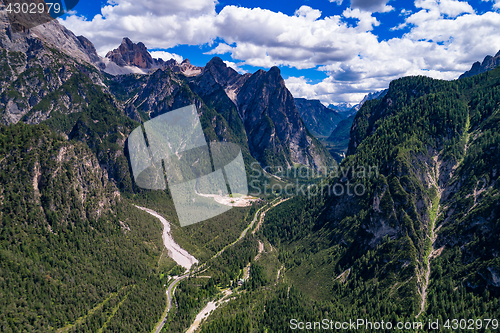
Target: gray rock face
x=254, y=110
x=130, y=54
x=184, y=67
x=51, y=33
x=488, y=64
x=319, y=119
x=91, y=51
x=135, y=58
x=276, y=135
x=274, y=128
x=37, y=67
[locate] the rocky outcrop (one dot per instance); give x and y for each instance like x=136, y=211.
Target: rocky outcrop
x=91, y=52
x=37, y=67
x=276, y=134
x=47, y=164
x=131, y=54
x=488, y=64
x=51, y=33
x=184, y=67
x=135, y=58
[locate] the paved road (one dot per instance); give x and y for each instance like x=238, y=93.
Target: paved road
x=170, y=294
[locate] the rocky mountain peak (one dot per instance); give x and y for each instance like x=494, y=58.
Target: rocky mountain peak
x=274, y=71
x=222, y=74
x=91, y=51
x=52, y=32
x=488, y=63
x=130, y=57
x=319, y=119
x=273, y=123
x=131, y=54
x=184, y=67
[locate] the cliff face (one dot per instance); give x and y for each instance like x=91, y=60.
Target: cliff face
x=64, y=180
x=488, y=63
x=130, y=54
x=276, y=132
x=319, y=119
x=254, y=110
x=45, y=69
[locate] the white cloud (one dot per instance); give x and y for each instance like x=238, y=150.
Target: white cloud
x=166, y=56
x=235, y=66
x=366, y=21
x=454, y=8
x=445, y=37
x=309, y=13
x=157, y=23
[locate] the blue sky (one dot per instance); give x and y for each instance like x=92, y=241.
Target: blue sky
x=334, y=51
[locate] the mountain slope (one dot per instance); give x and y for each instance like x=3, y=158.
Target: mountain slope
x=68, y=241
x=39, y=70
x=277, y=135
x=255, y=111
x=429, y=219
x=319, y=119
x=488, y=63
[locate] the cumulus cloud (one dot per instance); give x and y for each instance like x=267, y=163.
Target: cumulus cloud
x=445, y=37
x=166, y=56
x=366, y=21
x=235, y=66
x=157, y=23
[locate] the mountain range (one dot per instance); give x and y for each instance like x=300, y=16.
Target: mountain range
x=489, y=63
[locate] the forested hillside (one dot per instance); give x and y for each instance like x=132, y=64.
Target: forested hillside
x=69, y=242
x=407, y=229
x=420, y=243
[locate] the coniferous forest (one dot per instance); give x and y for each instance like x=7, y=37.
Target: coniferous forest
x=413, y=241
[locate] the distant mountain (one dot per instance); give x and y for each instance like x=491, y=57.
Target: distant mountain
x=130, y=54
x=253, y=110
x=184, y=67
x=353, y=108
x=338, y=141
x=341, y=107
x=273, y=123
x=130, y=57
x=488, y=63
x=319, y=119
x=341, y=133
x=369, y=97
